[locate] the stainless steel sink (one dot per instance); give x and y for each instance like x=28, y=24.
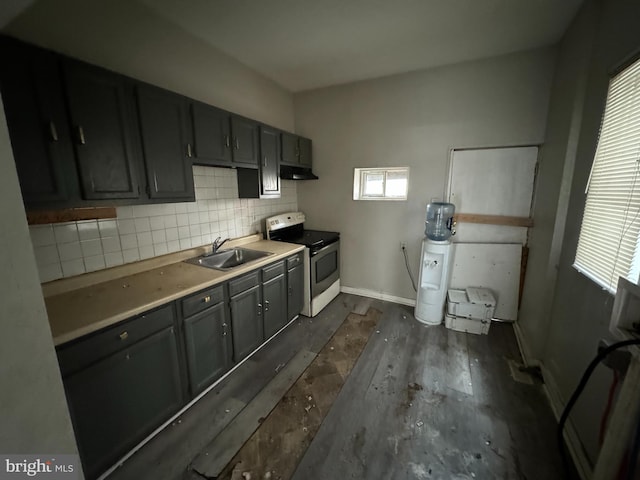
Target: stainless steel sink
x=228, y=259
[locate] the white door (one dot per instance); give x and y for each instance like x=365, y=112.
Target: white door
x=492, y=181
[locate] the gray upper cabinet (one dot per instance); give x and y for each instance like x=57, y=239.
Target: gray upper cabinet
x=304, y=150
x=244, y=141
x=102, y=119
x=269, y=162
x=289, y=148
x=167, y=144
x=38, y=125
x=264, y=182
x=295, y=150
x=212, y=135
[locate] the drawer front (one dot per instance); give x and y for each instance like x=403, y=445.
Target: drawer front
x=92, y=348
x=243, y=283
x=272, y=271
x=202, y=300
x=294, y=260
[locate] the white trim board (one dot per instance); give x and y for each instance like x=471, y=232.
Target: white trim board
x=378, y=295
x=525, y=352
x=580, y=459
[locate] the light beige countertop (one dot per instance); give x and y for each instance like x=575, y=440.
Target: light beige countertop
x=79, y=311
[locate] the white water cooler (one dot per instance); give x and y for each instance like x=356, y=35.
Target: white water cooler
x=434, y=264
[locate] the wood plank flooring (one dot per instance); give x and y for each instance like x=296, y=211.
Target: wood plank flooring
x=420, y=403
x=430, y=403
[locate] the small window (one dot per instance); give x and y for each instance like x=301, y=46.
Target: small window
x=380, y=183
x=609, y=243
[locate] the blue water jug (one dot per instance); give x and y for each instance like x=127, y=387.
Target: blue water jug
x=439, y=224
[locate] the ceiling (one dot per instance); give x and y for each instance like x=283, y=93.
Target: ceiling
x=306, y=44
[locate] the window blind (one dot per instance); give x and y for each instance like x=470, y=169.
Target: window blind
x=608, y=246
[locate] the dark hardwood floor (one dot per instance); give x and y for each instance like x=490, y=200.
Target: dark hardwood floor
x=420, y=403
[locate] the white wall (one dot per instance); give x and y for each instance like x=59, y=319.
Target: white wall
x=33, y=408
x=410, y=120
x=130, y=38
x=581, y=309
x=555, y=175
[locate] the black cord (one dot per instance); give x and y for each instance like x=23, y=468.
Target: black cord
x=406, y=262
x=578, y=391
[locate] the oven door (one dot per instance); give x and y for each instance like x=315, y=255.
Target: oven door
x=325, y=268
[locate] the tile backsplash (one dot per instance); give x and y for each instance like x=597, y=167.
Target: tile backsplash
x=145, y=231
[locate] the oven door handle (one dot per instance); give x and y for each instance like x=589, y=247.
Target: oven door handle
x=324, y=249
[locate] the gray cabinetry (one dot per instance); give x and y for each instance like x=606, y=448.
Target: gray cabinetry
x=295, y=285
x=36, y=115
x=167, y=144
x=264, y=182
x=274, y=293
x=244, y=141
x=207, y=336
x=212, y=135
x=101, y=110
x=295, y=150
x=121, y=384
x=246, y=314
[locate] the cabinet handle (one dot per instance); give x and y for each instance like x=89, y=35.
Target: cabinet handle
x=81, y=138
x=155, y=181
x=290, y=291
x=124, y=335
x=207, y=299
x=259, y=309
x=189, y=150
x=266, y=306
x=53, y=131
x=264, y=162
x=237, y=143
x=227, y=141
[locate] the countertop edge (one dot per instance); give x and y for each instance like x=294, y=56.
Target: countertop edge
x=61, y=339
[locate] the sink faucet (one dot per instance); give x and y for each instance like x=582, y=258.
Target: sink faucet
x=217, y=243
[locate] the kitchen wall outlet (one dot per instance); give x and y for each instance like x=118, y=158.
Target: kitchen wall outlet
x=403, y=245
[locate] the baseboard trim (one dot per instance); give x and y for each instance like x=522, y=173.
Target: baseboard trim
x=580, y=459
x=378, y=295
x=527, y=358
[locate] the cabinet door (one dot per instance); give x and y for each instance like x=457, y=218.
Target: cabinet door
x=289, y=143
x=246, y=322
x=212, y=135
x=274, y=294
x=304, y=158
x=269, y=157
x=208, y=346
x=103, y=130
x=244, y=141
x=166, y=142
x=295, y=287
x=34, y=108
x=116, y=402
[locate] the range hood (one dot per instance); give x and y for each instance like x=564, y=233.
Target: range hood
x=296, y=173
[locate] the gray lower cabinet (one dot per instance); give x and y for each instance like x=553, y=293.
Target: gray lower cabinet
x=118, y=400
x=123, y=382
x=295, y=286
x=246, y=321
x=274, y=294
x=208, y=345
